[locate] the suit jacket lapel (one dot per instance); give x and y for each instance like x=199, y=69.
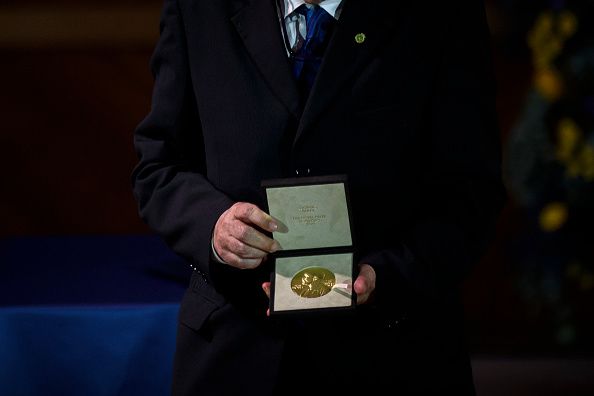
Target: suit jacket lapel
x=345, y=56
x=258, y=25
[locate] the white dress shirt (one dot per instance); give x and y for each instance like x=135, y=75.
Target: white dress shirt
x=296, y=22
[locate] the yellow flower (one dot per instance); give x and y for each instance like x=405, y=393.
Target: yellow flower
x=546, y=40
x=573, y=152
x=553, y=216
x=569, y=135
x=539, y=37
x=542, y=29
x=548, y=83
x=568, y=24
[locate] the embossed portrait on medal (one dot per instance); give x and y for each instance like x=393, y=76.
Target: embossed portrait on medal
x=313, y=282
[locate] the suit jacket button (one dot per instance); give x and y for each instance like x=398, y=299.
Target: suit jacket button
x=302, y=171
x=392, y=324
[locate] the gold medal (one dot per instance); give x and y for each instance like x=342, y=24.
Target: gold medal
x=313, y=282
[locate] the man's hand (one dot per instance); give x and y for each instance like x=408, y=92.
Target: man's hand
x=238, y=238
x=364, y=284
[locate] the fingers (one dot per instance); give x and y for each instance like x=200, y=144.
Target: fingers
x=251, y=214
x=365, y=283
x=237, y=253
x=239, y=262
x=242, y=249
x=249, y=236
x=237, y=237
x=244, y=217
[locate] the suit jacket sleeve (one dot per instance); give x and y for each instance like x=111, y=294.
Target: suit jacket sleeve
x=462, y=187
x=174, y=195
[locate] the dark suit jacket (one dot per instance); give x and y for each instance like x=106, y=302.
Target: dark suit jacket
x=408, y=115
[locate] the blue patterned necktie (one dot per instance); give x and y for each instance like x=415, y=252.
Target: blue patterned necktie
x=307, y=54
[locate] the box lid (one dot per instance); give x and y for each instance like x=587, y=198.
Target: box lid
x=312, y=212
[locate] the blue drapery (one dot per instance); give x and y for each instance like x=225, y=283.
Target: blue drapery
x=88, y=315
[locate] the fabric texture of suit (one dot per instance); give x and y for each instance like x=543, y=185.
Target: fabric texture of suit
x=408, y=114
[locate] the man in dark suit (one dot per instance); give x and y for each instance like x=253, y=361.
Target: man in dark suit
x=402, y=101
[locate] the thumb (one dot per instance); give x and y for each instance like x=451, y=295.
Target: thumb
x=365, y=283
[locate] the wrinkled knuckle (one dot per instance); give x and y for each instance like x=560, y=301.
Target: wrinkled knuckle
x=227, y=219
x=236, y=229
x=243, y=233
x=249, y=210
x=232, y=211
x=240, y=248
x=231, y=245
x=235, y=208
x=222, y=227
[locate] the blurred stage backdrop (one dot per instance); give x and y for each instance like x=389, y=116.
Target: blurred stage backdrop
x=83, y=278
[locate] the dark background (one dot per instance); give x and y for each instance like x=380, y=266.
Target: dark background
x=75, y=81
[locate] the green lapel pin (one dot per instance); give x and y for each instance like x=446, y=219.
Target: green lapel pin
x=360, y=38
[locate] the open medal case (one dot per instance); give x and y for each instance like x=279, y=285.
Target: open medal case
x=314, y=271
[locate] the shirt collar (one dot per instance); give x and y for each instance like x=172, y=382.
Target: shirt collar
x=330, y=6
